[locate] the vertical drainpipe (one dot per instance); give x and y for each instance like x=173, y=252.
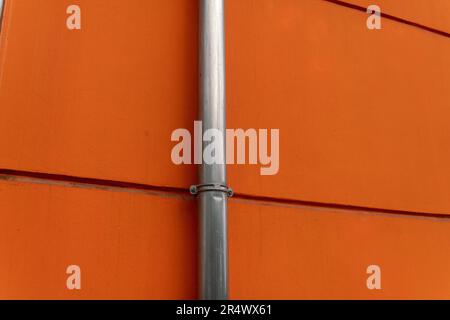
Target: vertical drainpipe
x=1, y=13
x=212, y=192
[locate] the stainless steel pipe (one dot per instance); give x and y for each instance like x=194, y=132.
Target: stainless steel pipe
x=212, y=201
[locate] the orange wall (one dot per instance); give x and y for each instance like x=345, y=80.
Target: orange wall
x=363, y=117
x=141, y=245
x=128, y=245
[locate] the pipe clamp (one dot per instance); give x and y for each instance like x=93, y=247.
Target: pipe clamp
x=197, y=189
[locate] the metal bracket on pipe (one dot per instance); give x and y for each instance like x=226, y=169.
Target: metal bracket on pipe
x=196, y=189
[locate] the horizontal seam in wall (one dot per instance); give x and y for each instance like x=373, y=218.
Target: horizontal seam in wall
x=91, y=183
x=270, y=201
x=183, y=193
x=391, y=17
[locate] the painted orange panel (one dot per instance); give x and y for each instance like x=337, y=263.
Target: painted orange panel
x=128, y=245
x=143, y=246
x=431, y=13
x=363, y=114
x=296, y=252
x=101, y=101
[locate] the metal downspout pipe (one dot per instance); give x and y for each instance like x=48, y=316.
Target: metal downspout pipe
x=212, y=192
x=2, y=2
